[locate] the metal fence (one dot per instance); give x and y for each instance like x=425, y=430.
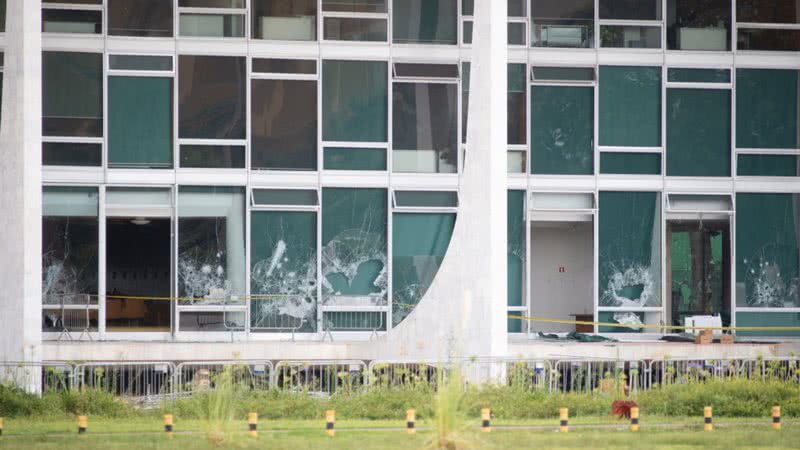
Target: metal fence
x=204, y=375
x=320, y=377
x=127, y=379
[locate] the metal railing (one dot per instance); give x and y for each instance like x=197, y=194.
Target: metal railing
x=71, y=313
x=204, y=375
x=320, y=377
x=127, y=379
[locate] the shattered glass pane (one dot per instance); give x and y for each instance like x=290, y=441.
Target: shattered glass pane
x=630, y=249
x=419, y=242
x=283, y=271
x=211, y=258
x=515, y=216
x=767, y=250
x=562, y=130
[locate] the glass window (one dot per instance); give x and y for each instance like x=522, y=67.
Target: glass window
x=140, y=122
x=562, y=130
x=289, y=20
x=699, y=25
x=285, y=197
x=408, y=70
x=768, y=319
x=562, y=73
x=465, y=70
x=71, y=154
x=298, y=66
x=211, y=248
x=212, y=156
x=2, y=16
x=425, y=21
x=680, y=75
x=516, y=247
x=426, y=199
x=768, y=11
x=70, y=236
x=698, y=132
x=284, y=124
x=72, y=21
x=767, y=104
x=768, y=39
x=630, y=9
x=630, y=249
x=140, y=62
x=212, y=3
x=212, y=23
x=516, y=104
x=211, y=97
x=468, y=7
x=356, y=6
x=72, y=94
x=354, y=244
x=767, y=250
x=630, y=163
x=624, y=36
x=425, y=127
x=283, y=270
x=771, y=12
x=354, y=101
x=420, y=243
x=339, y=158
x=630, y=106
x=562, y=23
x=144, y=18
x=354, y=29
x=768, y=165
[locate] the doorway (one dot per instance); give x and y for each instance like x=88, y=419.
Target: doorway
x=699, y=276
x=138, y=275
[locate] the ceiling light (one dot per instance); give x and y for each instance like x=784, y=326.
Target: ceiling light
x=140, y=221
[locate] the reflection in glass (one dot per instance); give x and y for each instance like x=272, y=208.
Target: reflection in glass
x=354, y=29
x=698, y=132
x=425, y=124
x=72, y=21
x=562, y=130
x=354, y=101
x=284, y=124
x=420, y=242
x=72, y=94
x=699, y=25
x=630, y=106
x=211, y=248
x=618, y=36
x=562, y=23
x=291, y=20
x=283, y=271
x=767, y=104
x=211, y=97
x=212, y=25
x=144, y=18
x=767, y=250
x=424, y=21
x=768, y=40
x=630, y=249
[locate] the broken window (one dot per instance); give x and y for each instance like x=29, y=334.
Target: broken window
x=211, y=244
x=698, y=132
x=768, y=250
x=630, y=106
x=289, y=20
x=354, y=101
x=424, y=21
x=562, y=130
x=630, y=249
x=70, y=233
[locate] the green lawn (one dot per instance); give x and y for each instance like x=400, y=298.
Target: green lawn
x=587, y=433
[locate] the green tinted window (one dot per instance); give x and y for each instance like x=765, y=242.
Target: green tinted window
x=767, y=108
x=562, y=130
x=283, y=263
x=354, y=101
x=630, y=163
x=767, y=254
x=516, y=247
x=290, y=197
x=765, y=319
x=354, y=158
x=630, y=106
x=681, y=75
x=630, y=249
x=424, y=21
x=426, y=199
x=72, y=94
x=698, y=132
x=768, y=165
x=139, y=122
x=419, y=242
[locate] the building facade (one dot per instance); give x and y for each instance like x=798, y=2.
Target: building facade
x=254, y=170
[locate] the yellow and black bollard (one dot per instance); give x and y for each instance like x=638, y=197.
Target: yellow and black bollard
x=168, y=424
x=252, y=424
x=330, y=419
x=411, y=419
x=564, y=424
x=776, y=417
x=634, y=418
x=707, y=414
x=83, y=424
x=486, y=420
x=1, y=426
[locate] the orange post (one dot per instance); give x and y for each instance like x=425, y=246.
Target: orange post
x=411, y=419
x=330, y=420
x=564, y=424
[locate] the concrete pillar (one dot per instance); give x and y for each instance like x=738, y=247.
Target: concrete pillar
x=21, y=186
x=463, y=314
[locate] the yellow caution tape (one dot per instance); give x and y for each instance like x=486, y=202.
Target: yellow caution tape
x=647, y=326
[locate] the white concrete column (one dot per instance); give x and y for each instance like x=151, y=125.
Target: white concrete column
x=463, y=314
x=21, y=186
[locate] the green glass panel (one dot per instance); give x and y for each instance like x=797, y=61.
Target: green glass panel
x=630, y=249
x=563, y=73
x=354, y=158
x=426, y=199
x=139, y=122
x=283, y=263
x=72, y=94
x=354, y=242
x=613, y=317
x=514, y=325
x=767, y=251
x=562, y=130
x=630, y=163
x=698, y=132
x=285, y=197
x=767, y=108
x=424, y=21
x=419, y=242
x=765, y=319
x=630, y=106
x=354, y=101
x=768, y=165
x=681, y=75
x=515, y=249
